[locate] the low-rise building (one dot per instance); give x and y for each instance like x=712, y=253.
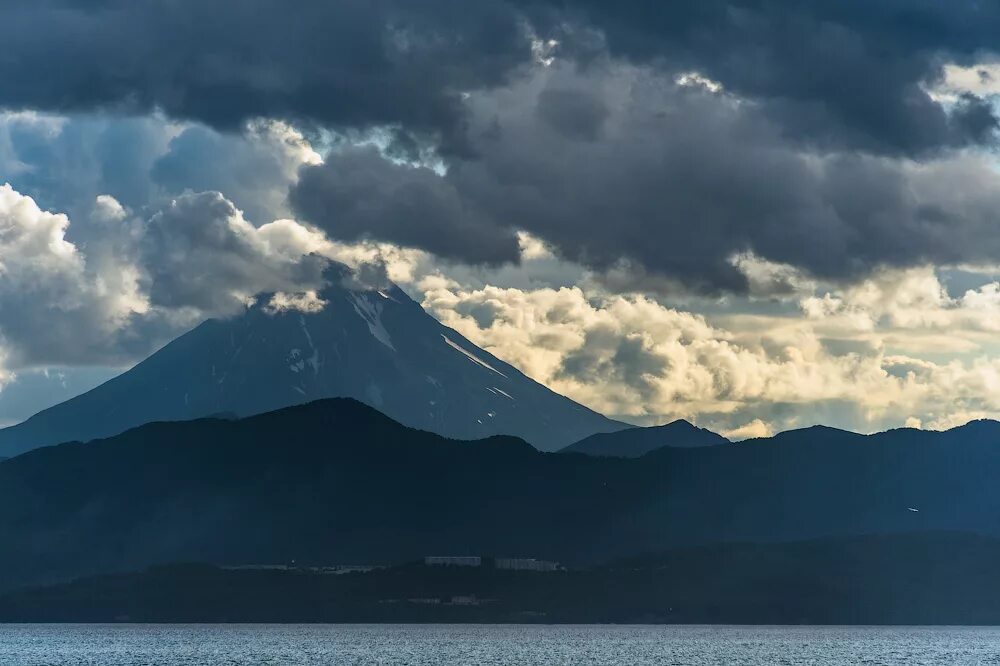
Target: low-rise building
x=337, y=569
x=467, y=600
x=525, y=564
x=453, y=561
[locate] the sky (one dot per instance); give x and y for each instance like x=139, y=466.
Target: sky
x=753, y=214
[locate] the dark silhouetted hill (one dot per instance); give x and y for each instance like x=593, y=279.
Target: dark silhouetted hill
x=337, y=481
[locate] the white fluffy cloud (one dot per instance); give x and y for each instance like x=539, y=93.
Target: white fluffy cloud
x=138, y=281
x=253, y=169
x=63, y=163
x=891, y=350
x=199, y=251
x=56, y=307
x=114, y=238
x=980, y=79
x=910, y=311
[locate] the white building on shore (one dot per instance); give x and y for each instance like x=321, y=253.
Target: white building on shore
x=526, y=564
x=504, y=563
x=453, y=561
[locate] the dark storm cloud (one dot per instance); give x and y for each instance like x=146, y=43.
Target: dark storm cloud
x=679, y=181
x=358, y=194
x=975, y=119
x=575, y=113
x=343, y=63
x=830, y=72
x=832, y=159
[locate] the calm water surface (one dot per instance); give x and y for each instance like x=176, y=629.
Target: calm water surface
x=292, y=645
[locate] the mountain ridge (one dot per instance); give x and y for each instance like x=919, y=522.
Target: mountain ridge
x=639, y=441
x=335, y=480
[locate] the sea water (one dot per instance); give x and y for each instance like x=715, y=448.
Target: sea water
x=521, y=645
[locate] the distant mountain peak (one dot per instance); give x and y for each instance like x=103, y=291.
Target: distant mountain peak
x=821, y=432
x=637, y=442
x=679, y=424
x=371, y=343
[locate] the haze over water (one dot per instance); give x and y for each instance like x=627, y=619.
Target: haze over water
x=487, y=645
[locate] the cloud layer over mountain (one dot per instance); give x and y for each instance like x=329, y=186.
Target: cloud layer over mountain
x=619, y=164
